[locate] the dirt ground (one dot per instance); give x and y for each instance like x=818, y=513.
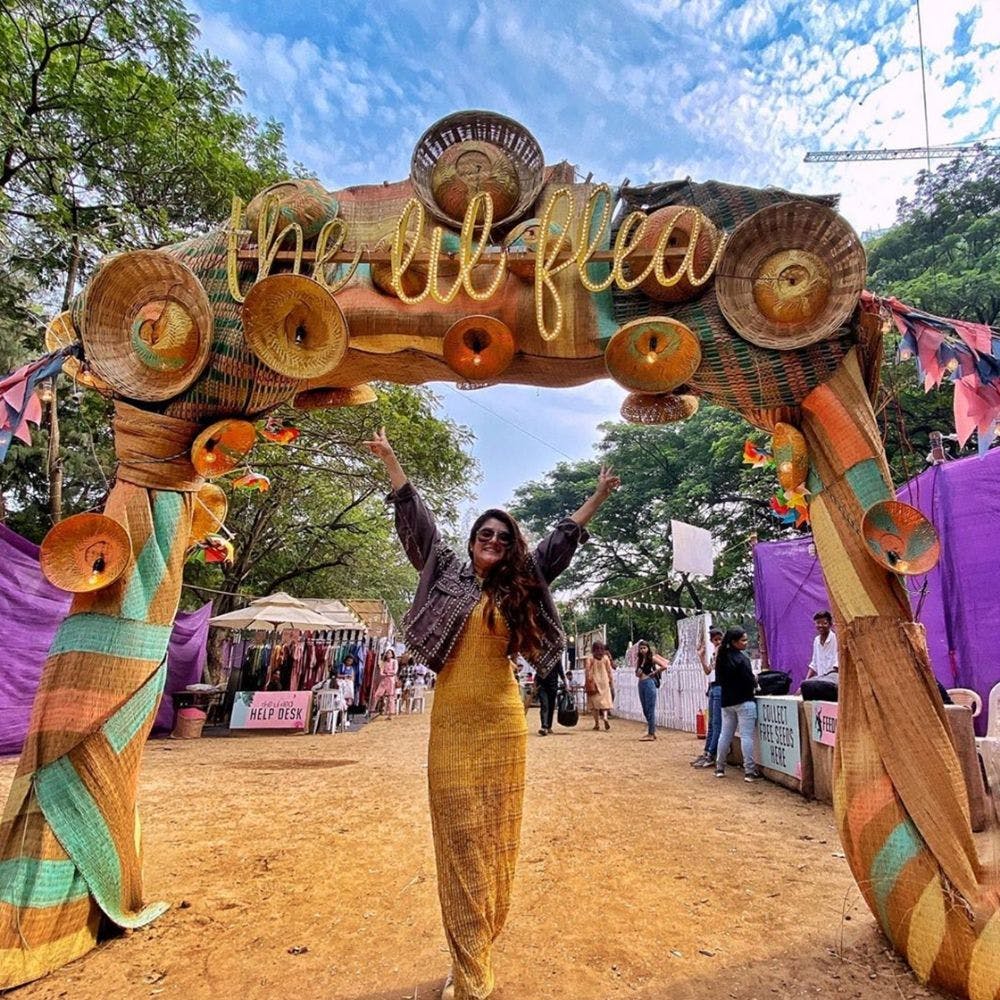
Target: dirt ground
x=302, y=866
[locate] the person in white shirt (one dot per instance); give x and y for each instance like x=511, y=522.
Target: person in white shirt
x=825, y=658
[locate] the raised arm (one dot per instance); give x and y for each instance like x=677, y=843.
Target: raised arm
x=414, y=522
x=554, y=553
x=607, y=483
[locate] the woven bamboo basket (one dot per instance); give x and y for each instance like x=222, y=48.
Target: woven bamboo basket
x=189, y=724
x=652, y=355
x=85, y=552
x=900, y=538
x=335, y=398
x=682, y=218
x=146, y=325
x=790, y=275
x=662, y=408
x=507, y=135
x=302, y=201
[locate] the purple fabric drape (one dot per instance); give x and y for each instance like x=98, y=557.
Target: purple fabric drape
x=958, y=601
x=30, y=612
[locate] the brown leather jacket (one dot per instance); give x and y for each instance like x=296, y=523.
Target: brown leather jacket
x=448, y=590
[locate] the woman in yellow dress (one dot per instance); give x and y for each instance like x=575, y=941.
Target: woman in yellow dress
x=471, y=616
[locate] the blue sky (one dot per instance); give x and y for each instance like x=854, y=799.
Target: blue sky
x=644, y=89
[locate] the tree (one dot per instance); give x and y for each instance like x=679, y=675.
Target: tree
x=322, y=528
x=689, y=472
x=115, y=133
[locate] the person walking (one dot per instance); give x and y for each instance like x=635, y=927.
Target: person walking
x=547, y=688
x=714, y=693
x=599, y=684
x=739, y=710
x=475, y=612
x=386, y=689
x=648, y=672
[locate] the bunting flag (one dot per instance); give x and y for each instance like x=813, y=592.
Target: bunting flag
x=967, y=354
x=19, y=403
x=628, y=602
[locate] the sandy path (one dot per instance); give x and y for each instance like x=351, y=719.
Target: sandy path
x=639, y=878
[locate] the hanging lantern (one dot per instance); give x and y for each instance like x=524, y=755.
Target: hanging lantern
x=791, y=456
x=900, y=538
x=653, y=354
x=222, y=447
x=478, y=347
x=85, y=552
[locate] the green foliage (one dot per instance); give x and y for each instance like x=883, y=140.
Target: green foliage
x=943, y=255
x=323, y=528
x=689, y=472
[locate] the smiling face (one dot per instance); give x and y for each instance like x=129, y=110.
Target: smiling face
x=490, y=545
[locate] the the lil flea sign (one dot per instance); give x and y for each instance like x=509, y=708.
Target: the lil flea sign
x=271, y=710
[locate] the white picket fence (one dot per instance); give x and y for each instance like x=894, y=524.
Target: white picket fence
x=682, y=685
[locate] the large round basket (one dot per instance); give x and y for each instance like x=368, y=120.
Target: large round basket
x=790, y=275
x=147, y=325
x=507, y=135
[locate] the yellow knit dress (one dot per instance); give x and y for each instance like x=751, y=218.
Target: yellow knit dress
x=475, y=773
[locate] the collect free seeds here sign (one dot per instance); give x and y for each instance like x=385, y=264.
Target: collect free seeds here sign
x=270, y=710
x=778, y=729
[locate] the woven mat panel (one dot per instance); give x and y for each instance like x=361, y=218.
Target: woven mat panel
x=235, y=382
x=727, y=205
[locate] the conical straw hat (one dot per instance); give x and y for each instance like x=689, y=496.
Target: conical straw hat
x=222, y=447
x=661, y=408
x=478, y=347
x=790, y=275
x=208, y=513
x=653, y=354
x=146, y=325
x=900, y=538
x=61, y=333
x=85, y=552
x=294, y=325
x=318, y=399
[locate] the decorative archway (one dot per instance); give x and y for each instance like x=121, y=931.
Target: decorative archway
x=748, y=298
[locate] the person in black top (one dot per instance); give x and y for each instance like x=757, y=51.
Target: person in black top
x=648, y=673
x=735, y=677
x=547, y=689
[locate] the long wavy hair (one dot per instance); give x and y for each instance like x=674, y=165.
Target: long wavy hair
x=640, y=659
x=513, y=584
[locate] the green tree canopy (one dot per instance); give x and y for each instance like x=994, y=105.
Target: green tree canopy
x=690, y=472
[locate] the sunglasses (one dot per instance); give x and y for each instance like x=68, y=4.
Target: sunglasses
x=488, y=534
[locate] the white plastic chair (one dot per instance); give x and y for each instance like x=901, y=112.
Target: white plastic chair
x=967, y=697
x=417, y=698
x=993, y=712
x=330, y=704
